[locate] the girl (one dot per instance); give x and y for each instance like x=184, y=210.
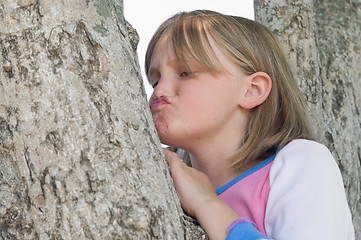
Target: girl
x=224, y=92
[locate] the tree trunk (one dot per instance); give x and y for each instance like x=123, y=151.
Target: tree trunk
x=322, y=39
x=79, y=156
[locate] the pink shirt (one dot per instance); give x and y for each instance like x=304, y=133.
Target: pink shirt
x=248, y=193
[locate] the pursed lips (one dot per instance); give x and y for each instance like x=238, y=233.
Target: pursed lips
x=157, y=103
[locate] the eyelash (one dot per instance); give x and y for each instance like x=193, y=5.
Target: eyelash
x=182, y=74
x=154, y=84
x=185, y=74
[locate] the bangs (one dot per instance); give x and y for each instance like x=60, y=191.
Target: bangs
x=191, y=43
x=189, y=37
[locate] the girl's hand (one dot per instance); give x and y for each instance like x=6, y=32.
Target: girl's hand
x=198, y=198
x=193, y=187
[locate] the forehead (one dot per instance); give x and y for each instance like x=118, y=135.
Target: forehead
x=190, y=47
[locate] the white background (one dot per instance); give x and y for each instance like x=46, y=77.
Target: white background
x=146, y=16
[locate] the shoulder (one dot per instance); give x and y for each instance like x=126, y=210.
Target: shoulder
x=307, y=196
x=304, y=148
x=304, y=157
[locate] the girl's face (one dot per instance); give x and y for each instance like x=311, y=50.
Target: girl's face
x=197, y=106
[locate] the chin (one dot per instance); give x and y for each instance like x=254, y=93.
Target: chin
x=162, y=129
x=166, y=139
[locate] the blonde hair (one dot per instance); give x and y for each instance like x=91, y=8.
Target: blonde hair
x=282, y=117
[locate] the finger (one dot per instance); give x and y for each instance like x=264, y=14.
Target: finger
x=171, y=157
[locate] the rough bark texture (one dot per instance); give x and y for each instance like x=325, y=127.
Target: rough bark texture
x=79, y=156
x=322, y=39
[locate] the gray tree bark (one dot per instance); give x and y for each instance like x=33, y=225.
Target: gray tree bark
x=79, y=156
x=322, y=39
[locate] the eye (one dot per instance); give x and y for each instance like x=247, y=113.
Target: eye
x=153, y=77
x=154, y=84
x=153, y=80
x=185, y=74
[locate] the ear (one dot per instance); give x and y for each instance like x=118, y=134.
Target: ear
x=257, y=88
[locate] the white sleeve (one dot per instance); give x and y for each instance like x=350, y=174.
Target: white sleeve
x=307, y=198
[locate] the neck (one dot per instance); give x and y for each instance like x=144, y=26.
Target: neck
x=214, y=162
x=210, y=153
